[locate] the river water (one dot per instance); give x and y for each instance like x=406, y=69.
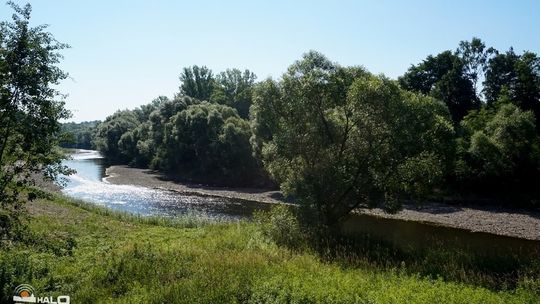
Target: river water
x=90, y=184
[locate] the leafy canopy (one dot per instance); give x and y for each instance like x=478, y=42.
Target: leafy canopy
x=447, y=78
x=30, y=110
x=516, y=77
x=338, y=138
x=500, y=151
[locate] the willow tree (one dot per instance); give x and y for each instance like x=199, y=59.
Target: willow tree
x=339, y=138
x=30, y=110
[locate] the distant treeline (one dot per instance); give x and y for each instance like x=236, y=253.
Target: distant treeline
x=78, y=135
x=463, y=121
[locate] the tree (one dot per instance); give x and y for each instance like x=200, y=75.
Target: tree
x=209, y=142
x=475, y=56
x=264, y=114
x=143, y=112
x=197, y=82
x=234, y=89
x=29, y=110
x=443, y=77
x=78, y=135
x=135, y=146
x=339, y=138
x=500, y=151
x=517, y=77
x=109, y=132
x=158, y=120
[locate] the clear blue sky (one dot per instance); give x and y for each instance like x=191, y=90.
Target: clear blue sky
x=125, y=53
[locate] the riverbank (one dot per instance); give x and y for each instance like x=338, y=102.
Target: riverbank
x=495, y=220
x=96, y=255
x=124, y=175
x=500, y=221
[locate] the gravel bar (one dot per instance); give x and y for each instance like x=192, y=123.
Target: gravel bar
x=507, y=222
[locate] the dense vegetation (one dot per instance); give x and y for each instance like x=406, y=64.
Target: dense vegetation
x=193, y=139
x=98, y=256
x=497, y=147
x=78, y=135
x=202, y=134
x=30, y=110
x=338, y=138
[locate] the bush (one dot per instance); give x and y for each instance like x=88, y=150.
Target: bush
x=281, y=226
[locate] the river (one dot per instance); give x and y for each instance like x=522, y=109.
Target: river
x=90, y=184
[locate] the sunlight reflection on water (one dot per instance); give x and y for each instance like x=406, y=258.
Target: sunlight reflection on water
x=87, y=184
x=86, y=154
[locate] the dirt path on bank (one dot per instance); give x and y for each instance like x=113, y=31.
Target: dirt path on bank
x=508, y=222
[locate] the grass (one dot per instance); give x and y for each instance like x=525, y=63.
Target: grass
x=440, y=261
x=99, y=256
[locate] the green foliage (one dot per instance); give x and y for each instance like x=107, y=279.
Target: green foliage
x=474, y=55
x=206, y=142
x=158, y=119
x=281, y=226
x=197, y=82
x=139, y=145
x=322, y=117
x=234, y=89
x=500, y=150
x=109, y=132
x=143, y=112
x=29, y=110
x=494, y=159
x=342, y=138
x=212, y=141
x=516, y=77
x=78, y=135
x=445, y=77
x=419, y=174
x=263, y=116
x=134, y=146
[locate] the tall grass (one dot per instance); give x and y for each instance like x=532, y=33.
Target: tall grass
x=439, y=261
x=105, y=256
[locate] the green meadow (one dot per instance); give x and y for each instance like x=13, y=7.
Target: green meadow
x=95, y=255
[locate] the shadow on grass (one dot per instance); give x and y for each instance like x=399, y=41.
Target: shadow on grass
x=437, y=261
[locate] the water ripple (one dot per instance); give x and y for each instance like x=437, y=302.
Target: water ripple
x=87, y=185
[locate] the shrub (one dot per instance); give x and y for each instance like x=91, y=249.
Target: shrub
x=281, y=226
